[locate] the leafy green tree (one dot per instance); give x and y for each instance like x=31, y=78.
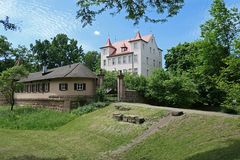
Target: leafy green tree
x=224, y=26
x=9, y=84
x=110, y=80
x=229, y=81
x=6, y=54
x=60, y=51
x=92, y=60
x=135, y=10
x=135, y=82
x=25, y=57
x=183, y=57
x=165, y=88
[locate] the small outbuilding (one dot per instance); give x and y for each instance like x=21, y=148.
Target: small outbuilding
x=58, y=87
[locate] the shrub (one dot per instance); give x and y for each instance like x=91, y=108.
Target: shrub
x=89, y=108
x=100, y=94
x=231, y=103
x=135, y=82
x=165, y=88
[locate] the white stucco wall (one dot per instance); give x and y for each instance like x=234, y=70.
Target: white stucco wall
x=142, y=54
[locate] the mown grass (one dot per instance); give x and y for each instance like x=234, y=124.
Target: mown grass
x=194, y=137
x=89, y=136
x=27, y=118
x=86, y=137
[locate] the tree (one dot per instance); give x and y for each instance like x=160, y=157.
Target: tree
x=92, y=60
x=6, y=54
x=135, y=82
x=136, y=10
x=110, y=80
x=172, y=89
x=60, y=51
x=182, y=57
x=9, y=26
x=9, y=84
x=224, y=26
x=25, y=57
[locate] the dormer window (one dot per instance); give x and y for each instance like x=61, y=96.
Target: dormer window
x=123, y=49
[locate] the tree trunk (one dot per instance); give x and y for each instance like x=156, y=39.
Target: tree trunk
x=12, y=96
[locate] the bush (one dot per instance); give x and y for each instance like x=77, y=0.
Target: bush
x=100, y=94
x=135, y=82
x=165, y=88
x=89, y=108
x=231, y=103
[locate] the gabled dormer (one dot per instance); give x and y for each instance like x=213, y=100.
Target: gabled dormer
x=108, y=49
x=124, y=48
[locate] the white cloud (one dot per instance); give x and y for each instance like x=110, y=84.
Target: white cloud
x=97, y=33
x=39, y=19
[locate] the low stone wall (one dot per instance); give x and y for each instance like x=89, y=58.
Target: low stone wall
x=132, y=96
x=61, y=103
x=43, y=103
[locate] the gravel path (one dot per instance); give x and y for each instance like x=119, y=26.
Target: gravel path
x=211, y=113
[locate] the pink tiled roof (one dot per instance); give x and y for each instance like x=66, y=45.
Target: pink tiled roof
x=126, y=43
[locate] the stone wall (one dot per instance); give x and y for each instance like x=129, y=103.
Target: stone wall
x=61, y=103
x=43, y=103
x=132, y=96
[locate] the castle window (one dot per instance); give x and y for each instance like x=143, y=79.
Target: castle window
x=130, y=59
x=124, y=59
x=135, y=45
x=113, y=61
x=150, y=49
x=104, y=62
x=104, y=51
x=147, y=60
x=135, y=58
x=119, y=60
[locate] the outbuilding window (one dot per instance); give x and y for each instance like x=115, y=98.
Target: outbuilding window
x=79, y=86
x=63, y=86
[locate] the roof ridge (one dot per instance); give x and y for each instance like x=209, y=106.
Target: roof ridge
x=130, y=39
x=71, y=70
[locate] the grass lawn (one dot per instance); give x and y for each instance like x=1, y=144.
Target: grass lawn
x=86, y=137
x=35, y=119
x=194, y=137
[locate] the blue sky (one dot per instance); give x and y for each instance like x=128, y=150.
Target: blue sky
x=46, y=18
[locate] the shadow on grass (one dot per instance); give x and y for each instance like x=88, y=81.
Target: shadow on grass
x=31, y=157
x=231, y=152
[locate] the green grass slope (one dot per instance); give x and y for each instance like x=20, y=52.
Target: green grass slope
x=26, y=118
x=194, y=137
x=85, y=137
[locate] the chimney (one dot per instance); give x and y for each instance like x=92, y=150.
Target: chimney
x=44, y=70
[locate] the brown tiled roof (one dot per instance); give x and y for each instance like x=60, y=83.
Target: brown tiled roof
x=76, y=70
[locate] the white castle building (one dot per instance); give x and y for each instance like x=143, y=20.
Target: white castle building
x=138, y=55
